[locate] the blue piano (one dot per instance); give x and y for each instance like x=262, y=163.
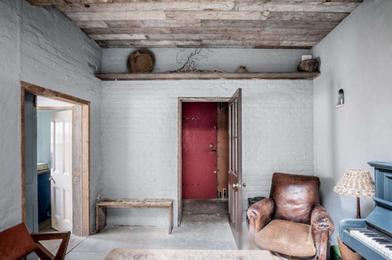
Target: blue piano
x=372, y=237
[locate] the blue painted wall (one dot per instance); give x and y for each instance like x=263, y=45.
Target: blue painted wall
x=44, y=203
x=43, y=156
x=43, y=136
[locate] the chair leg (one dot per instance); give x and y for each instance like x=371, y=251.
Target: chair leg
x=62, y=250
x=42, y=252
x=251, y=233
x=323, y=246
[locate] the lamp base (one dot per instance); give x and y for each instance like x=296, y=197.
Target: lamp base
x=358, y=207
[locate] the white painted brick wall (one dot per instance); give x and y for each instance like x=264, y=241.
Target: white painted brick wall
x=356, y=57
x=138, y=140
x=139, y=136
x=40, y=46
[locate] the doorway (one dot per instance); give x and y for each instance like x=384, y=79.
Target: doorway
x=209, y=159
x=55, y=161
x=199, y=151
x=54, y=164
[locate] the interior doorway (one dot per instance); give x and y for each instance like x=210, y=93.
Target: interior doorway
x=55, y=161
x=209, y=159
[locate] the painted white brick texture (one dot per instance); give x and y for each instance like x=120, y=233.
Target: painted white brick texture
x=41, y=46
x=139, y=137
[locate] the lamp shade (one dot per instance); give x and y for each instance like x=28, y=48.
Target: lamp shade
x=355, y=183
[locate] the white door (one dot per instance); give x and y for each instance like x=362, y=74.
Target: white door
x=61, y=170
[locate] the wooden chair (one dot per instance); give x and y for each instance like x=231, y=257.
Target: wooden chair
x=17, y=242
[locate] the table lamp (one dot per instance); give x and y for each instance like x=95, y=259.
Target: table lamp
x=355, y=183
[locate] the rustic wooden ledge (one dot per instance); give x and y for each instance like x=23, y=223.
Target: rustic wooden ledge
x=208, y=76
x=102, y=205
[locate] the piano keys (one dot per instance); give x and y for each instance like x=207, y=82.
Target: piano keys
x=375, y=239
x=372, y=237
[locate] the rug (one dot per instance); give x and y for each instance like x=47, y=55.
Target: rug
x=169, y=254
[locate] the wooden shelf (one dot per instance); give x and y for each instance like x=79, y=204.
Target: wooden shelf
x=208, y=76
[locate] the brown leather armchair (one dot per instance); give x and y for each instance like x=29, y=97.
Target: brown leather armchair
x=291, y=221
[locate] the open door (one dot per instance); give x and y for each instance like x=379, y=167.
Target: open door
x=61, y=173
x=235, y=167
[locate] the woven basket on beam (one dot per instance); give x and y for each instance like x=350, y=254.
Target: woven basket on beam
x=141, y=61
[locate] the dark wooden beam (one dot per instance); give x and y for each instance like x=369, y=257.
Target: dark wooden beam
x=209, y=76
x=206, y=44
x=222, y=5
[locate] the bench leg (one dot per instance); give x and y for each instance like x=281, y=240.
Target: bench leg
x=100, y=218
x=171, y=218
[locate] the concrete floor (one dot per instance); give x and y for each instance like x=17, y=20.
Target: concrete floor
x=198, y=231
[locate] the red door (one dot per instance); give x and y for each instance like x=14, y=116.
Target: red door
x=199, y=162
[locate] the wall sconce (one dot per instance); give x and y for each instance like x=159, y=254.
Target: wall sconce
x=340, y=102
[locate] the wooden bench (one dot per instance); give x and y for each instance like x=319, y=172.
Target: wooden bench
x=102, y=205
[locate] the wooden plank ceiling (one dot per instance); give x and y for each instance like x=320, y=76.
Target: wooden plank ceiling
x=206, y=23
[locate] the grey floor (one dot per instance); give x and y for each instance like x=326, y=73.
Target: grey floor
x=198, y=231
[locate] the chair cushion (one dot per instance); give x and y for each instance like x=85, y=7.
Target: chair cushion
x=286, y=237
x=294, y=196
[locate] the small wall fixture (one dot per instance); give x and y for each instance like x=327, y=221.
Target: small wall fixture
x=340, y=102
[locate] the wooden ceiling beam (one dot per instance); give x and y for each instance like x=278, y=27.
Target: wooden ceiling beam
x=219, y=5
x=201, y=5
x=299, y=6
x=278, y=28
x=191, y=17
x=216, y=30
x=165, y=15
x=205, y=23
x=288, y=18
x=140, y=4
x=203, y=36
x=208, y=76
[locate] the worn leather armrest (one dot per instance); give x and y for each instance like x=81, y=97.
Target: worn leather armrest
x=322, y=228
x=259, y=214
x=320, y=220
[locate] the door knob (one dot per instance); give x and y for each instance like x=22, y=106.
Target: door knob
x=236, y=186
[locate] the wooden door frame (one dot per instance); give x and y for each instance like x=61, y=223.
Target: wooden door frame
x=181, y=100
x=82, y=166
